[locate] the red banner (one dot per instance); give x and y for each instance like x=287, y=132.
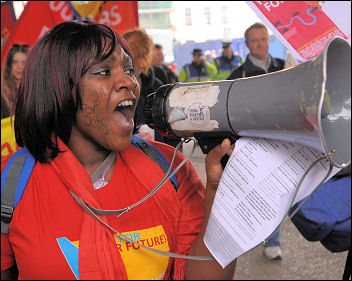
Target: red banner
x=305, y=26
x=8, y=20
x=40, y=16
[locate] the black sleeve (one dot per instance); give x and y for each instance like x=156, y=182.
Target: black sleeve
x=236, y=73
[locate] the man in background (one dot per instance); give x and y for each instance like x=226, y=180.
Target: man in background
x=166, y=76
x=258, y=61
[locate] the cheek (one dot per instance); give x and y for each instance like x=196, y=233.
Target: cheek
x=91, y=116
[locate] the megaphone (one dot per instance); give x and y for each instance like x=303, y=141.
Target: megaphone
x=309, y=104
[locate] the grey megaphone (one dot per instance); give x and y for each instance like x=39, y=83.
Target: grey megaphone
x=308, y=104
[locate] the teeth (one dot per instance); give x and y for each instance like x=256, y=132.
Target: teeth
x=125, y=103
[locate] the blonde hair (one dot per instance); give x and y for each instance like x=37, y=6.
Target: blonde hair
x=141, y=46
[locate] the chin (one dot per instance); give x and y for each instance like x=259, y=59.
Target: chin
x=123, y=143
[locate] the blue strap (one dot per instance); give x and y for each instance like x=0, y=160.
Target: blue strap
x=24, y=176
x=137, y=139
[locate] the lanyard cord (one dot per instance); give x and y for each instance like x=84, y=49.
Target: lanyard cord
x=166, y=177
x=93, y=211
x=173, y=255
x=104, y=167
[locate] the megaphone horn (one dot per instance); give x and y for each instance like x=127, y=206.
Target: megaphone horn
x=309, y=104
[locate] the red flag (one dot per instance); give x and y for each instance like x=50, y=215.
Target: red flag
x=8, y=20
x=40, y=16
x=119, y=15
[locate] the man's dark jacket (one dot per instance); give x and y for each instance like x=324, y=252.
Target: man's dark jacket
x=248, y=69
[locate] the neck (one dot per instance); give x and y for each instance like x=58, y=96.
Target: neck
x=89, y=155
x=263, y=59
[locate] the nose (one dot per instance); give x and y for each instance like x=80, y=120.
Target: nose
x=125, y=81
x=22, y=65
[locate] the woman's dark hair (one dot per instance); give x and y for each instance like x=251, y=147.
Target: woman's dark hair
x=45, y=105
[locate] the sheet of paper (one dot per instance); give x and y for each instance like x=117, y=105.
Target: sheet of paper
x=256, y=191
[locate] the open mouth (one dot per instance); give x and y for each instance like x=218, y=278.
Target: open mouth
x=123, y=114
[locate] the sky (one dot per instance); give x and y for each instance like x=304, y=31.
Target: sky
x=245, y=14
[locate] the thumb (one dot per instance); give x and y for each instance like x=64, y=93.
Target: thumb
x=214, y=156
x=213, y=166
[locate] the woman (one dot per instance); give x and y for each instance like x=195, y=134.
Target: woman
x=75, y=107
x=15, y=62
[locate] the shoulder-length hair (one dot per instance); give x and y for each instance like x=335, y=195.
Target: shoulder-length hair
x=8, y=81
x=45, y=106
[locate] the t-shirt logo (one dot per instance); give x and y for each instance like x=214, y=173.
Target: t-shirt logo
x=140, y=263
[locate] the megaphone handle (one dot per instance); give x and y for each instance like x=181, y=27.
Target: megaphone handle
x=224, y=161
x=207, y=143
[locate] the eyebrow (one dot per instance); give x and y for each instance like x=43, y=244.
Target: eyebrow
x=110, y=59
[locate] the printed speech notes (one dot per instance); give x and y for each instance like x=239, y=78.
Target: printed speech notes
x=256, y=191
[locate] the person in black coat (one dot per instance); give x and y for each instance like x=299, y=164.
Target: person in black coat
x=162, y=71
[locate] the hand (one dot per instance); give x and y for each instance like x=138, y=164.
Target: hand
x=213, y=166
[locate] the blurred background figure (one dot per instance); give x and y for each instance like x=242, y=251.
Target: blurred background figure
x=142, y=49
x=208, y=56
x=166, y=76
x=10, y=78
x=141, y=46
x=160, y=68
x=198, y=70
x=259, y=62
x=227, y=62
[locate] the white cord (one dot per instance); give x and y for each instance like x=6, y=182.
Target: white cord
x=166, y=177
x=93, y=211
x=304, y=201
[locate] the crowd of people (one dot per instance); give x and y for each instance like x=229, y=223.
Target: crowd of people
x=84, y=115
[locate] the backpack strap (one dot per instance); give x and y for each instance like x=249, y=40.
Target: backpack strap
x=152, y=152
x=14, y=179
x=19, y=168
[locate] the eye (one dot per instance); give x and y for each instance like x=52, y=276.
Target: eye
x=105, y=72
x=129, y=70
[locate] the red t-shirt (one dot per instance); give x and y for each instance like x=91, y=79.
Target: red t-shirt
x=44, y=233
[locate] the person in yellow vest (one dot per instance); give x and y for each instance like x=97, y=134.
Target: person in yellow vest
x=227, y=62
x=198, y=70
